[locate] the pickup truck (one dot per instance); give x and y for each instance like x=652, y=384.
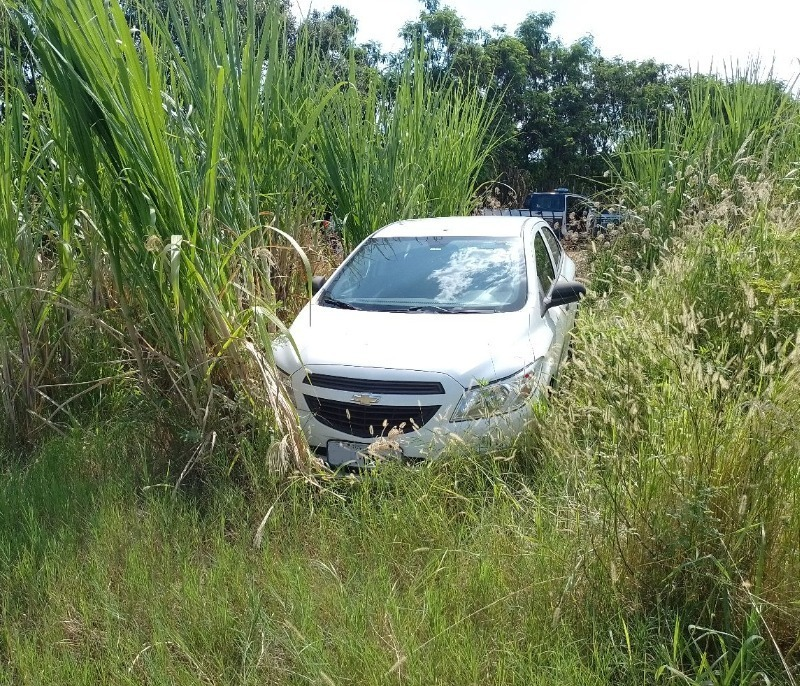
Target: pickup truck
x=562, y=210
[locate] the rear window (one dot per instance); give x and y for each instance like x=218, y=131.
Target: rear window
x=546, y=202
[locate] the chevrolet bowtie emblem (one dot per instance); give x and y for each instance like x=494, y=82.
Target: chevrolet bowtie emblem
x=366, y=399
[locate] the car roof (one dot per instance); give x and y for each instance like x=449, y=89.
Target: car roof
x=457, y=226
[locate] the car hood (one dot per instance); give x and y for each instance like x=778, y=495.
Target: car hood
x=467, y=347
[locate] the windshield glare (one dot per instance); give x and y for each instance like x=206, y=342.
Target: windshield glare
x=440, y=274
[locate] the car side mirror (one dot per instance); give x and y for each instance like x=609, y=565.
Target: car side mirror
x=564, y=294
x=316, y=283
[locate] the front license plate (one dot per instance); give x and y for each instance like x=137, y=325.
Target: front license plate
x=346, y=453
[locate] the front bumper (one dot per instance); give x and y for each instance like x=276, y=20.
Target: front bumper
x=422, y=442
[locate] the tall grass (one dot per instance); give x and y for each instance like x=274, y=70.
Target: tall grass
x=677, y=435
x=677, y=420
x=145, y=199
x=722, y=135
x=157, y=136
x=411, y=150
x=441, y=575
x=644, y=529
x=174, y=154
x=38, y=212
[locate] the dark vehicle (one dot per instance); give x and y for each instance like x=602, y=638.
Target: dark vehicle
x=562, y=210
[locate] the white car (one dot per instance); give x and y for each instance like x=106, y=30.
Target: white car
x=431, y=328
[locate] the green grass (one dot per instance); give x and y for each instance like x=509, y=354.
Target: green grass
x=707, y=151
x=644, y=530
x=396, y=152
x=444, y=574
x=679, y=439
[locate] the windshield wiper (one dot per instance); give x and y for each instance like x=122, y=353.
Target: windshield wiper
x=427, y=308
x=341, y=304
x=438, y=309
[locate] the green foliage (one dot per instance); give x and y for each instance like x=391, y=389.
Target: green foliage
x=415, y=151
x=644, y=529
x=712, y=657
x=707, y=151
x=156, y=189
x=644, y=532
x=38, y=215
x=561, y=107
x=677, y=437
x=441, y=574
x=169, y=137
x=332, y=35
x=683, y=390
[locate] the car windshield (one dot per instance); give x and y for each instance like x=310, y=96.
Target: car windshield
x=432, y=274
x=546, y=202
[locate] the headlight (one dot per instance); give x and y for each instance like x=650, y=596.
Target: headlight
x=499, y=397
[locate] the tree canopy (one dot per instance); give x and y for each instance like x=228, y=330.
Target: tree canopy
x=562, y=106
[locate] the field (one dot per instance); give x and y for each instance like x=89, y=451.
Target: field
x=161, y=520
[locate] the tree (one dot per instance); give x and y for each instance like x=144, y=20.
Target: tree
x=333, y=34
x=445, y=39
x=626, y=92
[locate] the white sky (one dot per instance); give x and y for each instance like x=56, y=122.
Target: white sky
x=690, y=33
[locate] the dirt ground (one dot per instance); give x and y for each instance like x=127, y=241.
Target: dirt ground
x=580, y=255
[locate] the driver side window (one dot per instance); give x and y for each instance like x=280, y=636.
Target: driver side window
x=544, y=265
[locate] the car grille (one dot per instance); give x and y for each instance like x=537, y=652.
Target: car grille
x=343, y=383
x=368, y=422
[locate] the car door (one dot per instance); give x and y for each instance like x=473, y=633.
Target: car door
x=565, y=271
x=555, y=318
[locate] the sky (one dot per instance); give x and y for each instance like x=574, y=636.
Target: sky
x=695, y=34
